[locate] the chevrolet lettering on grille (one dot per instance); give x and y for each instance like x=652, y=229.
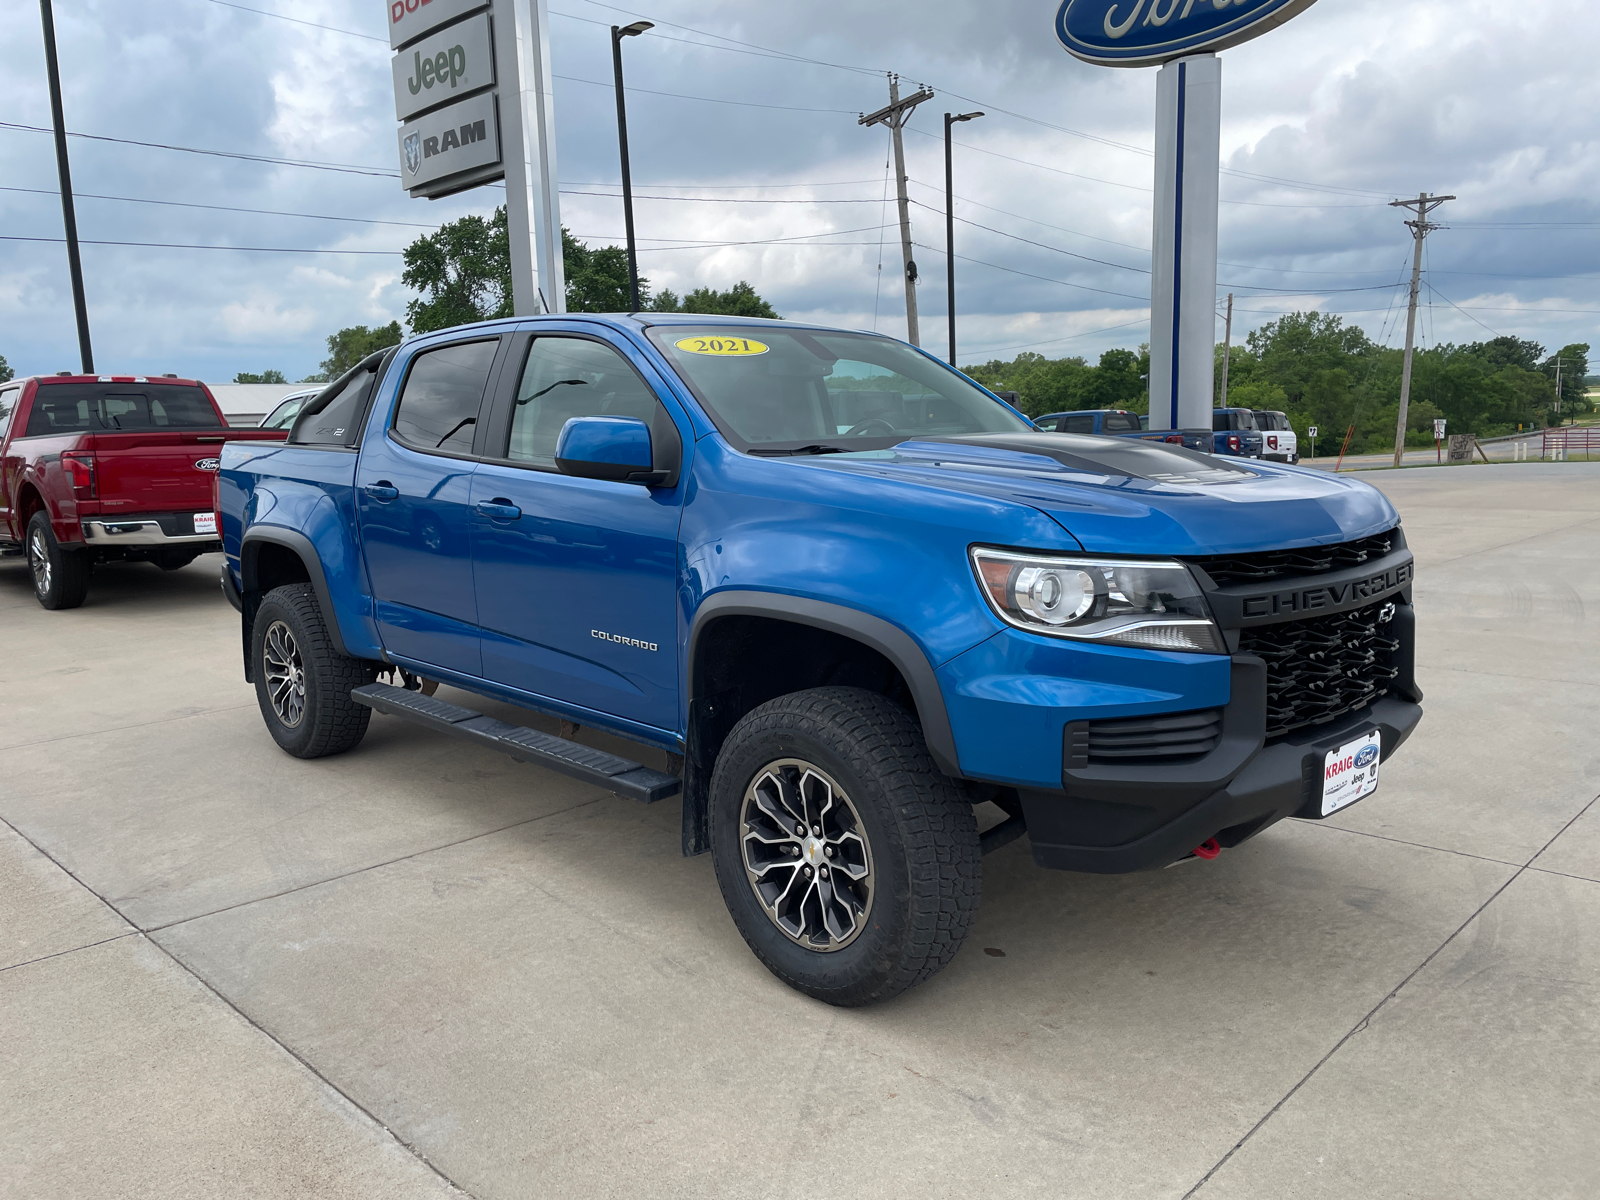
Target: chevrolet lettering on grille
x=1327, y=597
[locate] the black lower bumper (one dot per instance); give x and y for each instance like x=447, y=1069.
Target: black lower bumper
x=1113, y=821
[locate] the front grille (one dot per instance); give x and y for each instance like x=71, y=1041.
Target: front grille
x=1309, y=560
x=1145, y=739
x=1320, y=668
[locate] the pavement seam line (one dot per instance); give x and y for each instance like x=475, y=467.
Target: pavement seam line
x=1419, y=845
x=74, y=950
x=363, y=870
x=1365, y=1021
x=67, y=737
x=1507, y=545
x=184, y=967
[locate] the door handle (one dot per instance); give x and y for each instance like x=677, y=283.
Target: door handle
x=382, y=490
x=499, y=509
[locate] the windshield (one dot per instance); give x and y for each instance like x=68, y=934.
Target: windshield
x=283, y=416
x=773, y=390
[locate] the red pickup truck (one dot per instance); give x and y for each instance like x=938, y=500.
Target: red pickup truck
x=100, y=467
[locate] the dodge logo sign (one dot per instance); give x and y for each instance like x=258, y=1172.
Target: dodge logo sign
x=207, y=464
x=413, y=149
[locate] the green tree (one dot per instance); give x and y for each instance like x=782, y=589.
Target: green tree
x=346, y=348
x=463, y=271
x=597, y=279
x=741, y=300
x=268, y=376
x=1574, y=396
x=5, y=369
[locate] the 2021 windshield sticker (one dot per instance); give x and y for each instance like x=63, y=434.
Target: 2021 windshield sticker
x=726, y=347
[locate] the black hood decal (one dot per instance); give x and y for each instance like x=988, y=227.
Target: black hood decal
x=1129, y=458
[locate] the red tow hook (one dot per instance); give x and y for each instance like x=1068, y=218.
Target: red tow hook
x=1208, y=849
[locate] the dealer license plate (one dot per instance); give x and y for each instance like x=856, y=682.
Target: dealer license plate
x=205, y=522
x=1350, y=772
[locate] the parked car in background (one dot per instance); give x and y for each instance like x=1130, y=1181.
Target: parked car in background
x=101, y=467
x=1282, y=445
x=1116, y=422
x=288, y=409
x=843, y=595
x=1234, y=433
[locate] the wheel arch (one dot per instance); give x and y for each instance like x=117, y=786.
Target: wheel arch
x=271, y=556
x=847, y=633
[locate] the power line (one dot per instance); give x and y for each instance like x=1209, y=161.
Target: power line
x=184, y=246
x=263, y=212
x=261, y=12
x=345, y=168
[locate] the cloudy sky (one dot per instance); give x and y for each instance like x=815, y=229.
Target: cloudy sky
x=743, y=129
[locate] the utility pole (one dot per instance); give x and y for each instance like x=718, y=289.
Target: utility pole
x=617, y=34
x=69, y=216
x=950, y=226
x=1227, y=351
x=1420, y=228
x=894, y=115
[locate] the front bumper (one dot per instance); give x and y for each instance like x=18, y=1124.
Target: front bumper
x=1120, y=819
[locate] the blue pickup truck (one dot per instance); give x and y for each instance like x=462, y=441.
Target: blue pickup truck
x=1118, y=422
x=863, y=619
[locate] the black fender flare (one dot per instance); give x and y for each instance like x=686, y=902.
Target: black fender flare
x=891, y=641
x=277, y=535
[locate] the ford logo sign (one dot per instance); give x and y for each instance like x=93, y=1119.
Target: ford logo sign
x=1366, y=756
x=1138, y=33
x=207, y=464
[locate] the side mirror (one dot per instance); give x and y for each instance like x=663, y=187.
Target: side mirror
x=615, y=448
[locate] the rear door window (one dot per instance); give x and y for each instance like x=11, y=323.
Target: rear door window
x=8, y=405
x=439, y=407
x=1078, y=424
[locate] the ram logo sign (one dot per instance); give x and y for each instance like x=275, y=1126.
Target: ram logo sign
x=1139, y=33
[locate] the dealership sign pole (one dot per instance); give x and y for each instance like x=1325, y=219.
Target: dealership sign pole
x=472, y=91
x=1182, y=37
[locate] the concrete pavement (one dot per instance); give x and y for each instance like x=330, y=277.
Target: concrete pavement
x=421, y=968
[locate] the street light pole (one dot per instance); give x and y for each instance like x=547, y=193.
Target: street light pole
x=69, y=216
x=950, y=227
x=617, y=34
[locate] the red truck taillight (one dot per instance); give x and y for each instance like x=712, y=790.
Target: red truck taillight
x=1174, y=439
x=1233, y=441
x=1272, y=443
x=79, y=464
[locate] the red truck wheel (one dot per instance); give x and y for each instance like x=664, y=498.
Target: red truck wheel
x=60, y=576
x=302, y=683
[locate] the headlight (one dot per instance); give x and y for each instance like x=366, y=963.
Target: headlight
x=1152, y=604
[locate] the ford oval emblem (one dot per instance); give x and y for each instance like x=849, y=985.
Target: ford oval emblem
x=208, y=464
x=1139, y=33
x=1366, y=756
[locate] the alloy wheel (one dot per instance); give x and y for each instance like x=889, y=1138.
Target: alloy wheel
x=806, y=855
x=39, y=560
x=286, y=674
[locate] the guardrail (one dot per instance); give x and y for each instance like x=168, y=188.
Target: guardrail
x=1561, y=444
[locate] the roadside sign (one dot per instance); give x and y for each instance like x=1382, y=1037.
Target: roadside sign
x=451, y=141
x=1110, y=33
x=1312, y=433
x=1438, y=430
x=442, y=67
x=410, y=19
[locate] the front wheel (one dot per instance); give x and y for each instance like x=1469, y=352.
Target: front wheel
x=60, y=576
x=302, y=683
x=849, y=862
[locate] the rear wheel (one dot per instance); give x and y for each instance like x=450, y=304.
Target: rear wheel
x=302, y=683
x=849, y=862
x=60, y=576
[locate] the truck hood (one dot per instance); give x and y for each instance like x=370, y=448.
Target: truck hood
x=1125, y=496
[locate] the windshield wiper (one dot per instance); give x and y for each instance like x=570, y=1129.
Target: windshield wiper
x=816, y=448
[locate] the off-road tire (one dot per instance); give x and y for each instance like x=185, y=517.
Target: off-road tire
x=919, y=825
x=330, y=721
x=60, y=576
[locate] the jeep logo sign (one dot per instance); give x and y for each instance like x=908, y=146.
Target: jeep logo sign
x=410, y=19
x=1138, y=33
x=443, y=67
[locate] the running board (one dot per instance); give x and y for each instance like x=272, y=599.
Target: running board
x=609, y=771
